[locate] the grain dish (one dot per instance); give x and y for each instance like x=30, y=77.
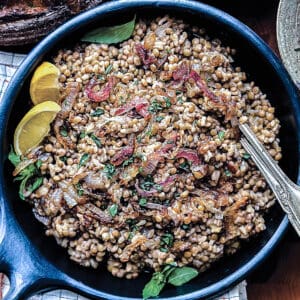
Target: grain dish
x=143, y=165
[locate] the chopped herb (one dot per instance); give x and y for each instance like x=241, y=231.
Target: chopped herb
x=38, y=163
x=98, y=112
x=63, y=132
x=79, y=188
x=155, y=107
x=158, y=187
x=168, y=102
x=178, y=92
x=131, y=222
x=82, y=135
x=139, y=139
x=221, y=135
x=30, y=176
x=136, y=82
x=148, y=184
x=141, y=169
x=180, y=100
x=185, y=166
x=100, y=77
x=63, y=158
x=109, y=170
x=84, y=159
x=159, y=118
x=185, y=226
x=133, y=229
x=246, y=156
x=113, y=210
x=108, y=69
x=227, y=173
x=166, y=240
x=132, y=225
x=128, y=161
x=149, y=132
x=95, y=140
x=140, y=155
x=122, y=100
x=143, y=202
x=163, y=249
x=176, y=195
x=130, y=236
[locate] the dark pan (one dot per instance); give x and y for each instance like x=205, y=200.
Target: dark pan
x=34, y=262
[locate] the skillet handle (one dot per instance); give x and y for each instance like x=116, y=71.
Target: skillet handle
x=27, y=270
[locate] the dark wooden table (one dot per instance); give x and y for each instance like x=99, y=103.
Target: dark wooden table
x=279, y=276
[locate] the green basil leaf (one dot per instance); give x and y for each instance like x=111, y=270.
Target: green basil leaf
x=180, y=276
x=154, y=286
x=113, y=210
x=83, y=160
x=14, y=158
x=168, y=269
x=110, y=35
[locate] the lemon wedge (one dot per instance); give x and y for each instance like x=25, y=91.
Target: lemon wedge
x=44, y=84
x=34, y=126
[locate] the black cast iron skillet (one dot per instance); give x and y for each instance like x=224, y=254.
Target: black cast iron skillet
x=34, y=262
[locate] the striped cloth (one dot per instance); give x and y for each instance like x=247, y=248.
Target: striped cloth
x=9, y=63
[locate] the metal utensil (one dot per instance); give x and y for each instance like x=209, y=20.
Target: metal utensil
x=286, y=191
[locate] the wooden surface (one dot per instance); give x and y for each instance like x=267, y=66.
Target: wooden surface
x=279, y=277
